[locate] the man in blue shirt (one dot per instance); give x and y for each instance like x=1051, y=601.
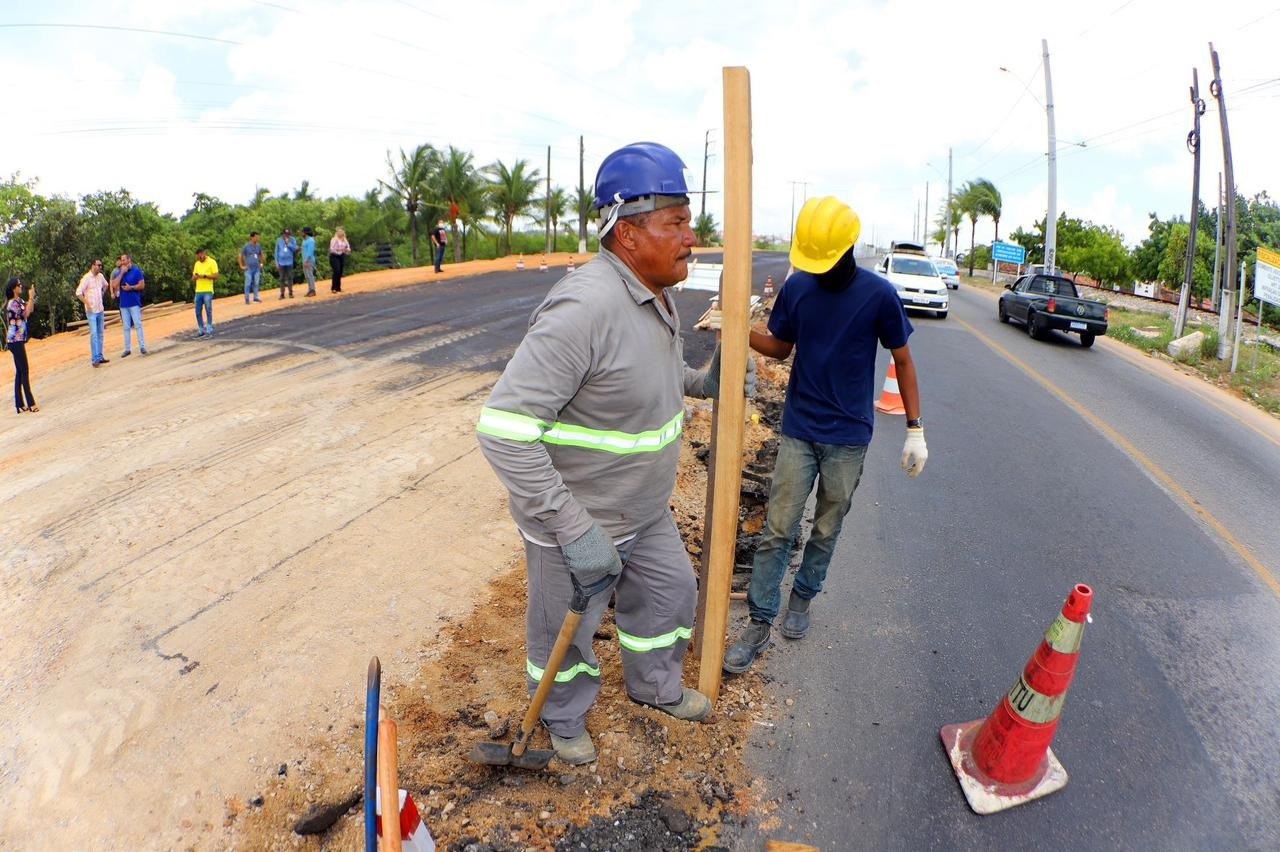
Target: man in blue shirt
x=309, y=259
x=832, y=315
x=286, y=245
x=251, y=263
x=127, y=288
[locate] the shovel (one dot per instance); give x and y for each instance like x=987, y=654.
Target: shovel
x=518, y=753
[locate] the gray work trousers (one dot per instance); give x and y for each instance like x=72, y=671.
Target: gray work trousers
x=656, y=599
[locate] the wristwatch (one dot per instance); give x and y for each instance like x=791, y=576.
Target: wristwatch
x=918, y=423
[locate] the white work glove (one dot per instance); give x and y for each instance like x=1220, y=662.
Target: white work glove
x=914, y=452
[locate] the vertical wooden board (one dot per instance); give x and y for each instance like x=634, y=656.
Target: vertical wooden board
x=735, y=294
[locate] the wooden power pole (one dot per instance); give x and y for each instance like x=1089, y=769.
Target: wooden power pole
x=1229, y=187
x=1193, y=144
x=735, y=294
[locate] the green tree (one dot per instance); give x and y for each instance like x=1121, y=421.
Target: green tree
x=704, y=228
x=975, y=201
x=511, y=191
x=992, y=205
x=410, y=184
x=460, y=185
x=1100, y=254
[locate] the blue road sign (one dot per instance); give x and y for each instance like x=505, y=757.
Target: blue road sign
x=1009, y=253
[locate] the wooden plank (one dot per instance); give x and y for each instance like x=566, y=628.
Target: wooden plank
x=735, y=294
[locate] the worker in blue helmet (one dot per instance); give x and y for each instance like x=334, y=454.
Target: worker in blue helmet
x=583, y=428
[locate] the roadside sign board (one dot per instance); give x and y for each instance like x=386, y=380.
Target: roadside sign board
x=1266, y=277
x=1008, y=252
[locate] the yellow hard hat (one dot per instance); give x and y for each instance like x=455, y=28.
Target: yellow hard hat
x=825, y=230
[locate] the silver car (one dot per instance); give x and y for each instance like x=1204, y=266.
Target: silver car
x=947, y=271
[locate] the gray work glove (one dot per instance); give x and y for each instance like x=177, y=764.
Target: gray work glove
x=711, y=384
x=592, y=557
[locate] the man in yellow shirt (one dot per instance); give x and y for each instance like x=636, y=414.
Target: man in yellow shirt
x=204, y=273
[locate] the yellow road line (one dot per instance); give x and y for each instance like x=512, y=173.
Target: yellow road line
x=1137, y=455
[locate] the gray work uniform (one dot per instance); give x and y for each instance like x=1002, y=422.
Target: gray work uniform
x=584, y=425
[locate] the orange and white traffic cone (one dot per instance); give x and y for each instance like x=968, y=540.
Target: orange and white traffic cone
x=414, y=834
x=768, y=286
x=1005, y=760
x=543, y=267
x=571, y=266
x=890, y=400
x=520, y=263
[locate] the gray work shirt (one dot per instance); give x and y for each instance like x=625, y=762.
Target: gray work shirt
x=585, y=421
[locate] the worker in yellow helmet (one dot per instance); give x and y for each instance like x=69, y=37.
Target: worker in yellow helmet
x=832, y=314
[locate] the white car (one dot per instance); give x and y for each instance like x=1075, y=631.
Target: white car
x=948, y=270
x=917, y=281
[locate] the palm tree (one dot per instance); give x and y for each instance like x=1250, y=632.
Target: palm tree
x=994, y=203
x=410, y=184
x=511, y=191
x=704, y=228
x=558, y=207
x=460, y=184
x=948, y=222
x=583, y=198
x=975, y=201
x=303, y=192
x=260, y=194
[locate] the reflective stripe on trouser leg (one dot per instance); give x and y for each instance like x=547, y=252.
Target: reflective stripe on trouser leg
x=575, y=689
x=657, y=596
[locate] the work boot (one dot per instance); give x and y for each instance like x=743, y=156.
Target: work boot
x=751, y=642
x=574, y=751
x=796, y=624
x=693, y=706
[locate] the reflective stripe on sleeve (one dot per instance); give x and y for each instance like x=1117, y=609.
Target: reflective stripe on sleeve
x=519, y=427
x=564, y=676
x=642, y=644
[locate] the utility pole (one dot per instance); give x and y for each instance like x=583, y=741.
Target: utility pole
x=1051, y=215
x=582, y=194
x=925, y=241
x=946, y=226
x=1217, y=246
x=706, y=155
x=1193, y=144
x=548, y=223
x=794, y=184
x=1229, y=259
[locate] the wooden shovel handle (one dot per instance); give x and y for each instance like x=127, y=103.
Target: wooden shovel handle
x=558, y=652
x=389, y=786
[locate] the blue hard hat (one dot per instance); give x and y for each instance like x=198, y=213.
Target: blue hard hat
x=639, y=169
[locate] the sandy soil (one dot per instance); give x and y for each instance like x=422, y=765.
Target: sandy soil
x=202, y=553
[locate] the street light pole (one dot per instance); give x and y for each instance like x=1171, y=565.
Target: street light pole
x=794, y=184
x=1051, y=214
x=706, y=155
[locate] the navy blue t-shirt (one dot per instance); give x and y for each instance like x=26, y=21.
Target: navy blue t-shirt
x=831, y=395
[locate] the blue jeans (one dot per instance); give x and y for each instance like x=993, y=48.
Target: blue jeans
x=252, y=281
x=131, y=318
x=837, y=469
x=439, y=256
x=205, y=301
x=97, y=323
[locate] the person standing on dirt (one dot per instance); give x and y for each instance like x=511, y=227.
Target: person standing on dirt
x=309, y=259
x=286, y=245
x=90, y=290
x=128, y=287
x=17, y=312
x=251, y=264
x=583, y=428
x=339, y=248
x=831, y=314
x=439, y=239
x=203, y=273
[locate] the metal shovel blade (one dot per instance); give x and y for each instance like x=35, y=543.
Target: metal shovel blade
x=500, y=754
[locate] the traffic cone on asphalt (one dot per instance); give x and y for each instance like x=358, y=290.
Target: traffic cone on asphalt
x=571, y=266
x=890, y=400
x=1005, y=760
x=768, y=286
x=520, y=263
x=543, y=267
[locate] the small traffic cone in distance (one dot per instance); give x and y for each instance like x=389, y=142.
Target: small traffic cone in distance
x=890, y=401
x=520, y=263
x=768, y=286
x=1005, y=759
x=543, y=267
x=571, y=266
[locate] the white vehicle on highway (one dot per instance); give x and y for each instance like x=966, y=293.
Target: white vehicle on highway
x=916, y=279
x=947, y=269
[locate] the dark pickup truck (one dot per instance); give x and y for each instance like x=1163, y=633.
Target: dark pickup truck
x=1043, y=302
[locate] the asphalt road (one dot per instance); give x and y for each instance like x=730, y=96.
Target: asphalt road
x=1093, y=470
x=1050, y=465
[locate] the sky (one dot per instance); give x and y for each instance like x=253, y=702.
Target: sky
x=862, y=100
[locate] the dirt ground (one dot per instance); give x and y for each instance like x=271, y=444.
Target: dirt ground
x=187, y=627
